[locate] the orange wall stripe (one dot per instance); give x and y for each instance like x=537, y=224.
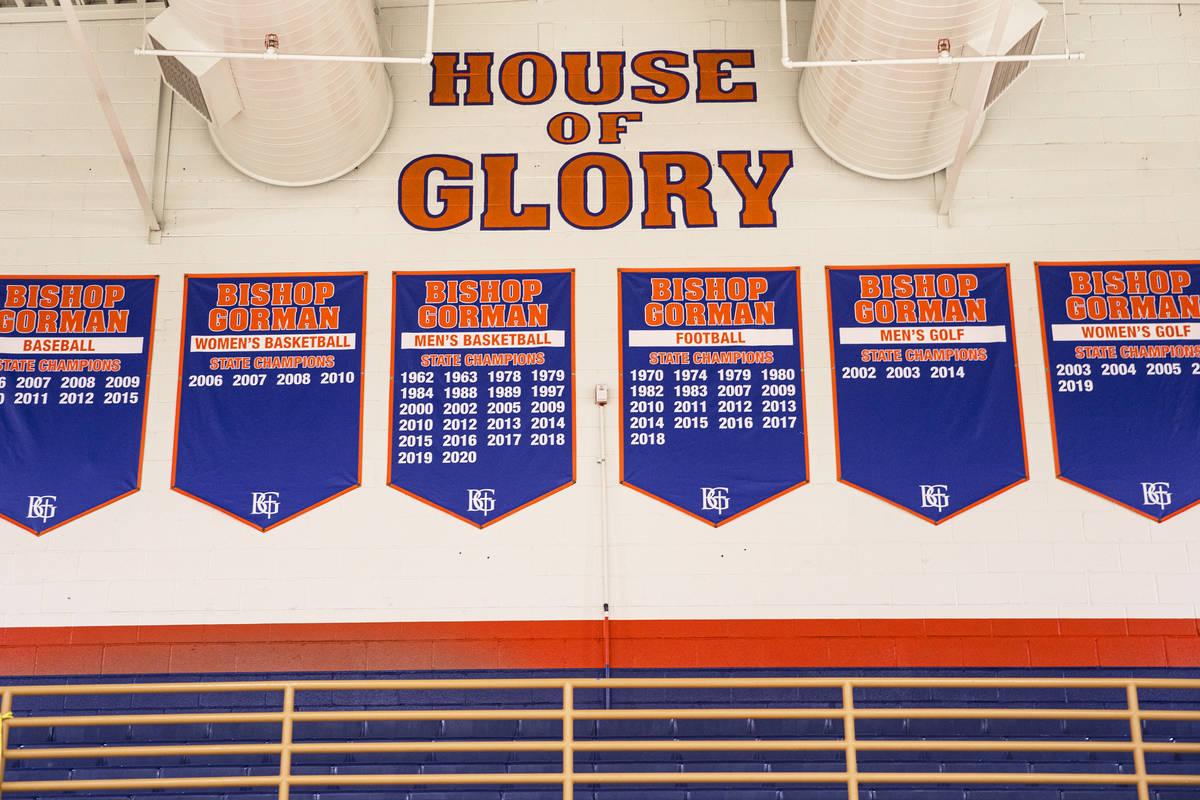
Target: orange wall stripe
x=577, y=644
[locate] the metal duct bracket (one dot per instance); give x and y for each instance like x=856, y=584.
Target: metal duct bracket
x=1019, y=38
x=206, y=83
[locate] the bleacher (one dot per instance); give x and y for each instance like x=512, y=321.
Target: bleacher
x=512, y=745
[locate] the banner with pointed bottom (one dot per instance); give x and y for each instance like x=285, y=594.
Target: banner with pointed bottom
x=927, y=402
x=74, y=371
x=712, y=388
x=1122, y=343
x=269, y=414
x=483, y=389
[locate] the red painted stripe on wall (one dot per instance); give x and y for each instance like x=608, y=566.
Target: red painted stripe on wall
x=678, y=644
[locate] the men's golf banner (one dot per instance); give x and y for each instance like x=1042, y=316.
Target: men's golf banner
x=270, y=392
x=1122, y=346
x=483, y=389
x=74, y=371
x=926, y=398
x=712, y=388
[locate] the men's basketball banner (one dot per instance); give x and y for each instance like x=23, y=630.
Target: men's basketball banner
x=270, y=392
x=483, y=389
x=74, y=371
x=712, y=388
x=1122, y=344
x=926, y=396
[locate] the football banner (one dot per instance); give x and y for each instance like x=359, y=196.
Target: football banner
x=1122, y=343
x=269, y=418
x=927, y=402
x=74, y=371
x=712, y=388
x=483, y=389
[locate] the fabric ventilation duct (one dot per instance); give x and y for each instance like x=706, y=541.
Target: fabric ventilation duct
x=300, y=122
x=903, y=121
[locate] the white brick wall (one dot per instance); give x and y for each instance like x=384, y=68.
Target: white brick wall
x=1097, y=159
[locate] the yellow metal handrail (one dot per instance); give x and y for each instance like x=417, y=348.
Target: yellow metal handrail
x=850, y=745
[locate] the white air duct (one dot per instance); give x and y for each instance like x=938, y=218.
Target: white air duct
x=300, y=122
x=903, y=121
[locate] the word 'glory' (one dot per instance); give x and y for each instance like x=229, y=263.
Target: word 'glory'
x=595, y=191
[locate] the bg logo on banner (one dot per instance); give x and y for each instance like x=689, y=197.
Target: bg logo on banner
x=483, y=390
x=74, y=371
x=1123, y=349
x=270, y=393
x=926, y=399
x=712, y=388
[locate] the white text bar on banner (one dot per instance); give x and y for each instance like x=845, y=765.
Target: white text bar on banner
x=485, y=340
x=1182, y=331
x=942, y=334
x=736, y=337
x=108, y=345
x=308, y=341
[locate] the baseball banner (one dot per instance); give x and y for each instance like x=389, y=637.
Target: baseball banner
x=74, y=372
x=927, y=401
x=483, y=389
x=1122, y=343
x=712, y=388
x=269, y=418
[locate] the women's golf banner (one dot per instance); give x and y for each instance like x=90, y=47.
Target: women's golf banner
x=1123, y=350
x=926, y=399
x=270, y=392
x=483, y=389
x=74, y=370
x=712, y=388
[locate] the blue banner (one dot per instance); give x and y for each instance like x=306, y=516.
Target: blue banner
x=74, y=371
x=712, y=388
x=1123, y=351
x=926, y=396
x=483, y=389
x=270, y=393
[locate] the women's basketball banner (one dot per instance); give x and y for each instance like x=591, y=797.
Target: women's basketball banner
x=712, y=388
x=926, y=396
x=74, y=370
x=1122, y=345
x=270, y=392
x=483, y=389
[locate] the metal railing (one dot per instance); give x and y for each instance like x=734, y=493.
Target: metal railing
x=841, y=708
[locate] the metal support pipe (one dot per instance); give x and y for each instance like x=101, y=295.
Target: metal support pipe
x=162, y=151
x=5, y=715
x=1135, y=737
x=285, y=739
x=568, y=742
x=975, y=110
x=602, y=460
x=110, y=113
x=849, y=739
x=273, y=54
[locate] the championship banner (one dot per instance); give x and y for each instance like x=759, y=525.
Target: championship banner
x=269, y=418
x=74, y=371
x=1122, y=344
x=712, y=388
x=483, y=390
x=927, y=403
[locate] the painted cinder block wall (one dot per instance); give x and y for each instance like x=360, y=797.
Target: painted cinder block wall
x=1091, y=160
